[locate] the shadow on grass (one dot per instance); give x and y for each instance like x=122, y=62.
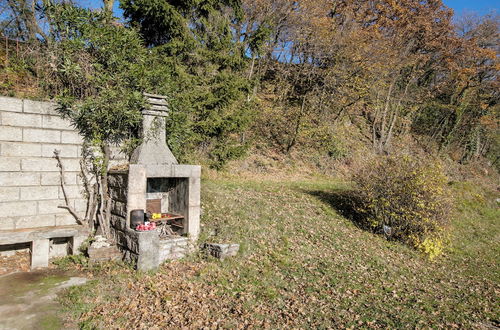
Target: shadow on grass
x=346, y=203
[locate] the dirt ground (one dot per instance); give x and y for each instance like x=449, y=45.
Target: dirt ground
x=29, y=299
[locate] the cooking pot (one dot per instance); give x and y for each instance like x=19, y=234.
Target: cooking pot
x=136, y=218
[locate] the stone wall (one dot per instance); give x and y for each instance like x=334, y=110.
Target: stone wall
x=145, y=249
x=30, y=190
x=174, y=248
x=139, y=248
x=118, y=186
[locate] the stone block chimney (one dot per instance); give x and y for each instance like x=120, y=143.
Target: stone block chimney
x=155, y=182
x=154, y=149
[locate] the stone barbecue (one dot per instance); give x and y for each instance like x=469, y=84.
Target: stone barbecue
x=156, y=183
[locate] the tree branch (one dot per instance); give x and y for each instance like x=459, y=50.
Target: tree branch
x=68, y=207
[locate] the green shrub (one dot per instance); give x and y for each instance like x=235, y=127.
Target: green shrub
x=70, y=261
x=407, y=199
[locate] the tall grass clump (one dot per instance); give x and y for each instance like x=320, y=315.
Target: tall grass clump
x=406, y=198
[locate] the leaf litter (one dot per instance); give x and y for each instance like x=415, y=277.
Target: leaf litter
x=301, y=265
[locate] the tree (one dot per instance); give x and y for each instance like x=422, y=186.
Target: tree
x=108, y=5
x=194, y=43
x=98, y=79
x=21, y=20
x=463, y=118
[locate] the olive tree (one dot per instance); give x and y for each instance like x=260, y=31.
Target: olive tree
x=97, y=77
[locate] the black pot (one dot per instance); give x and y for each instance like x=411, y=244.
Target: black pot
x=136, y=218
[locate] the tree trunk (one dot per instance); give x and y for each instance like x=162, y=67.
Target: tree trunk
x=108, y=5
x=297, y=127
x=383, y=121
x=105, y=205
x=250, y=74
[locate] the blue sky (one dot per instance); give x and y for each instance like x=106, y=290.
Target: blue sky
x=479, y=6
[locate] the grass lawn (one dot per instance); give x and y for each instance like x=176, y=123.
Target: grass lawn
x=303, y=265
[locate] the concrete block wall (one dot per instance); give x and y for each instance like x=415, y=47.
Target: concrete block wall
x=30, y=190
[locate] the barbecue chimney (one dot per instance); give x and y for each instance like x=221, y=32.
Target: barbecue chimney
x=154, y=149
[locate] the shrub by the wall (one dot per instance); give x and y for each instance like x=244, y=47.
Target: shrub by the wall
x=406, y=198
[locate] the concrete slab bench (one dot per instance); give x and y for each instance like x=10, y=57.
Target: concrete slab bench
x=40, y=240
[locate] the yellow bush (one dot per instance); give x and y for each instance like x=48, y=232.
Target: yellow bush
x=431, y=246
x=407, y=198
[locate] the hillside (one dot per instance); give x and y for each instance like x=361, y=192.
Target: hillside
x=302, y=264
x=287, y=106
x=318, y=78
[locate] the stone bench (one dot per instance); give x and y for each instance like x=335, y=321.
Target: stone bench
x=40, y=240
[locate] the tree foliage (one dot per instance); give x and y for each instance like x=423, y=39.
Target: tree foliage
x=387, y=67
x=98, y=73
x=195, y=41
x=284, y=74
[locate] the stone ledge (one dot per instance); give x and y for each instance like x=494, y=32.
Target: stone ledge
x=173, y=171
x=31, y=234
x=11, y=104
x=41, y=107
x=104, y=254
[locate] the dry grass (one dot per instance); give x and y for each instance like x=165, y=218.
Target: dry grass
x=19, y=262
x=302, y=265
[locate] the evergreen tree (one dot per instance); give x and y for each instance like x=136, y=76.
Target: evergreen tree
x=202, y=70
